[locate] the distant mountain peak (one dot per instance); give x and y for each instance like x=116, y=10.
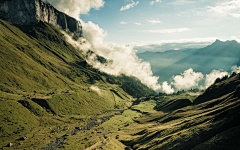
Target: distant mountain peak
x=233, y=41
x=217, y=41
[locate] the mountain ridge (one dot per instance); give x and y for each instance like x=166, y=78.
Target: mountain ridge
x=219, y=56
x=31, y=12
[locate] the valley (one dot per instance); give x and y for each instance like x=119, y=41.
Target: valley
x=156, y=122
x=47, y=87
x=78, y=131
x=63, y=87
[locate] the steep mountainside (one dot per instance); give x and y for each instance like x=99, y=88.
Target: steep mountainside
x=44, y=81
x=44, y=60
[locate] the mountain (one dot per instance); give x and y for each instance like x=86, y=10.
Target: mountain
x=160, y=60
x=45, y=81
x=219, y=55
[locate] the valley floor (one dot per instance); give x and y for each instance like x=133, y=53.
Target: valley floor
x=150, y=123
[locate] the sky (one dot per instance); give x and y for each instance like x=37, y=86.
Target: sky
x=114, y=28
x=148, y=22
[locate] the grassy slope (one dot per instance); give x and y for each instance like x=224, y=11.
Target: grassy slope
x=212, y=124
x=45, y=82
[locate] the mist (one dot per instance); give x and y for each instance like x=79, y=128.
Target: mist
x=121, y=59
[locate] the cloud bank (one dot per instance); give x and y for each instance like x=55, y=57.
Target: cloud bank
x=187, y=79
x=230, y=8
x=122, y=59
x=130, y=5
x=190, y=79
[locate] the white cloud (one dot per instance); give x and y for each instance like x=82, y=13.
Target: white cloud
x=226, y=6
x=210, y=78
x=236, y=69
x=235, y=15
x=154, y=21
x=181, y=2
x=138, y=23
x=76, y=7
x=156, y=1
x=190, y=79
x=122, y=22
x=93, y=33
x=168, y=30
x=230, y=8
x=166, y=88
x=122, y=59
x=130, y=5
x=187, y=79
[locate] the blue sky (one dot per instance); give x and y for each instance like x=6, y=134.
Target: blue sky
x=167, y=20
x=151, y=25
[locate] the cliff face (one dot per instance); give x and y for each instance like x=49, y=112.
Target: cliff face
x=31, y=12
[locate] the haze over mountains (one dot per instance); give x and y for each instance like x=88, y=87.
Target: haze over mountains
x=217, y=58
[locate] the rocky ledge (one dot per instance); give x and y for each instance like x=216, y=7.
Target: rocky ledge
x=31, y=12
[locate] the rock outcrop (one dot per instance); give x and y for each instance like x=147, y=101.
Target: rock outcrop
x=31, y=12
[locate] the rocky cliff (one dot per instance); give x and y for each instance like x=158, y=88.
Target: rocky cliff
x=31, y=12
